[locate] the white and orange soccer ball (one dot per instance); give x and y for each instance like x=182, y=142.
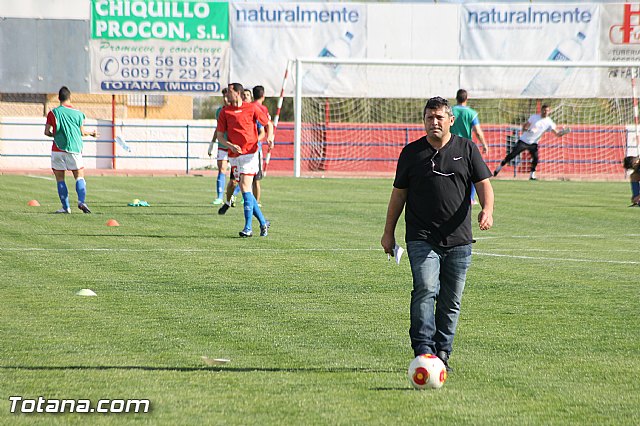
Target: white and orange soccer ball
x=427, y=371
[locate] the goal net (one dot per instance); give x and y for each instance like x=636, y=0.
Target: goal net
x=352, y=118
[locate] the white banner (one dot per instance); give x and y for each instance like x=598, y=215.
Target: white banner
x=529, y=32
x=411, y=32
x=408, y=30
x=158, y=67
x=264, y=36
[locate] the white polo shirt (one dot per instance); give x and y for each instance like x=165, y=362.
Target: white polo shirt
x=538, y=126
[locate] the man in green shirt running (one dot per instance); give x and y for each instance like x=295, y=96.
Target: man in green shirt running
x=65, y=125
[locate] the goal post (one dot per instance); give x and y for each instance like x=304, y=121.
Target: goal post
x=352, y=117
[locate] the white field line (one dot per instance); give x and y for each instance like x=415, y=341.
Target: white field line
x=534, y=250
x=41, y=177
x=181, y=250
x=560, y=259
x=475, y=252
x=561, y=237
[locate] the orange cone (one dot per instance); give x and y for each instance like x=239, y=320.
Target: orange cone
x=112, y=222
x=33, y=203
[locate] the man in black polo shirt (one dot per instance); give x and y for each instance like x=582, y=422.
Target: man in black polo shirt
x=433, y=178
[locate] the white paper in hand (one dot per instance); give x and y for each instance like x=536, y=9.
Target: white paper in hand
x=397, y=253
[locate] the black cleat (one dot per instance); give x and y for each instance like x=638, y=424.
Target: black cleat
x=264, y=230
x=84, y=208
x=223, y=209
x=444, y=357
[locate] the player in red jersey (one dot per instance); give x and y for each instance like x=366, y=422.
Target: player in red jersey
x=238, y=120
x=258, y=99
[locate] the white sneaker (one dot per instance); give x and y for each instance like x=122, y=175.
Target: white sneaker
x=63, y=211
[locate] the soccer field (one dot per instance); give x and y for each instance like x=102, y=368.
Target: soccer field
x=313, y=318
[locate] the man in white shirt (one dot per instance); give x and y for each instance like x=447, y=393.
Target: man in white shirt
x=533, y=130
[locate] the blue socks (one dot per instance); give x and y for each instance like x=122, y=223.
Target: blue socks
x=63, y=193
x=220, y=184
x=248, y=209
x=251, y=209
x=237, y=190
x=635, y=189
x=257, y=212
x=81, y=189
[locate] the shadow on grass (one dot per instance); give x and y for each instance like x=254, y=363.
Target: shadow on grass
x=203, y=368
x=407, y=389
x=202, y=237
x=151, y=207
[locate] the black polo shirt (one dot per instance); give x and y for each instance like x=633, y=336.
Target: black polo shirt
x=438, y=205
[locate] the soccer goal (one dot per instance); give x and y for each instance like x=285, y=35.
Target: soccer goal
x=352, y=117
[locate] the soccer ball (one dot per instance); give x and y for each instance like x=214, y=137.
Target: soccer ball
x=427, y=371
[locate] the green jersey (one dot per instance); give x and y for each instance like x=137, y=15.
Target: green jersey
x=68, y=136
x=466, y=118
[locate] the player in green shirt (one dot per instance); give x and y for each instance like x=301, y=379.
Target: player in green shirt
x=66, y=125
x=465, y=123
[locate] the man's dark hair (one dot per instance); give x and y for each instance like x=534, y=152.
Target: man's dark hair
x=64, y=94
x=237, y=87
x=224, y=90
x=258, y=92
x=544, y=106
x=437, y=103
x=461, y=96
x=631, y=163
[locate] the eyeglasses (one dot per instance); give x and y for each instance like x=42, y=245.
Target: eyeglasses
x=433, y=166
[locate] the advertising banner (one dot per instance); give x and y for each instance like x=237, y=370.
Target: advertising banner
x=620, y=41
x=529, y=32
x=264, y=36
x=150, y=46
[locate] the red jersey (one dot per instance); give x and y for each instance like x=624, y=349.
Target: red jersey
x=240, y=125
x=263, y=108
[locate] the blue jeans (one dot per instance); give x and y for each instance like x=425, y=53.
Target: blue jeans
x=438, y=282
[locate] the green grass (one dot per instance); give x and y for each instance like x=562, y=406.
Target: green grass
x=313, y=317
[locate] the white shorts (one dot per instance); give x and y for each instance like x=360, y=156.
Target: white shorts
x=61, y=160
x=247, y=164
x=223, y=154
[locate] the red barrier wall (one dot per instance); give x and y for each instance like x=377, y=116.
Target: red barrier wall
x=587, y=152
